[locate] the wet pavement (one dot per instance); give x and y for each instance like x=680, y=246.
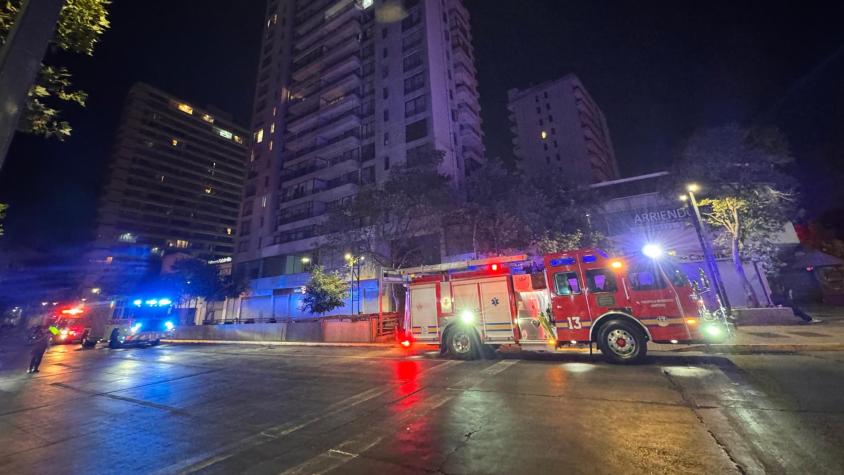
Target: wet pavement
x=233, y=409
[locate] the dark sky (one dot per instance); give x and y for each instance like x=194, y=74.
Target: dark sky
x=659, y=70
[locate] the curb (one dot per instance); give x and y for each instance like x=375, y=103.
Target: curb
x=759, y=348
x=279, y=343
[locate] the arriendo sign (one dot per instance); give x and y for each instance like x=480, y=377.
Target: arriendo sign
x=661, y=216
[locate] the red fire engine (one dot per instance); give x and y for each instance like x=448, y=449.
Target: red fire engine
x=570, y=298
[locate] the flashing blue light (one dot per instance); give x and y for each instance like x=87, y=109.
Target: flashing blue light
x=152, y=302
x=589, y=259
x=164, y=302
x=168, y=325
x=136, y=327
x=563, y=261
x=654, y=251
x=602, y=253
x=137, y=302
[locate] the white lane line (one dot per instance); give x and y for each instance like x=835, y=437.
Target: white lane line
x=206, y=459
x=365, y=440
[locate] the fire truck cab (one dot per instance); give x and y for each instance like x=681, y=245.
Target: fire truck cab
x=571, y=298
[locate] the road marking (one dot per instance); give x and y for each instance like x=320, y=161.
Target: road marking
x=365, y=440
x=204, y=460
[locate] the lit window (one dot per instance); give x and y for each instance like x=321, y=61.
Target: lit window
x=270, y=145
x=181, y=244
x=238, y=139
x=259, y=136
x=127, y=237
x=367, y=3
x=185, y=108
x=223, y=133
x=208, y=118
x=544, y=135
x=208, y=190
x=109, y=259
x=272, y=128
x=275, y=111
x=174, y=142
x=229, y=231
x=264, y=201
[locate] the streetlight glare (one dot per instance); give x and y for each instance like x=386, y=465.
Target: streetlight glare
x=693, y=187
x=348, y=256
x=684, y=198
x=306, y=260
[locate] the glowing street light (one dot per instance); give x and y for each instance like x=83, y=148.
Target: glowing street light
x=692, y=188
x=654, y=251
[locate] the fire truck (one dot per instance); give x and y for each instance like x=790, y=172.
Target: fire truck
x=582, y=297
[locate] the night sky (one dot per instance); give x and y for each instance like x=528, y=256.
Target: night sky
x=659, y=70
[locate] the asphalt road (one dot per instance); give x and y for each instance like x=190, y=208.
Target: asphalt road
x=231, y=409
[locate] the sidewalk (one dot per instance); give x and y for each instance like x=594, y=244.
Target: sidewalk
x=826, y=336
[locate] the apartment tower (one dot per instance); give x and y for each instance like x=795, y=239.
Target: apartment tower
x=558, y=127
x=347, y=90
x=176, y=177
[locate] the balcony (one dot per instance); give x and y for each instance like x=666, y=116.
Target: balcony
x=308, y=29
x=303, y=106
x=301, y=212
x=470, y=135
x=346, y=162
x=316, y=185
x=345, y=24
x=327, y=111
x=466, y=95
x=344, y=66
x=325, y=129
x=349, y=138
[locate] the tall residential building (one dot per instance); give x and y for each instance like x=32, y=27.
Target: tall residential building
x=346, y=90
x=176, y=177
x=559, y=127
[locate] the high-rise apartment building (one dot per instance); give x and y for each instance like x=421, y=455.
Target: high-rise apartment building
x=347, y=90
x=176, y=177
x=559, y=127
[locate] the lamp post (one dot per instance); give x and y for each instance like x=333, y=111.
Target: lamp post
x=708, y=255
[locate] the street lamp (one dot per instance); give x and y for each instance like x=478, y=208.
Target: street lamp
x=702, y=235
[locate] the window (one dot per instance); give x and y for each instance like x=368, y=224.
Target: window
x=550, y=118
x=384, y=53
x=386, y=115
x=414, y=83
x=386, y=93
x=543, y=135
x=181, y=244
x=415, y=106
x=386, y=138
x=546, y=94
x=385, y=71
x=384, y=32
x=412, y=60
x=566, y=283
x=411, y=40
x=185, y=108
x=416, y=130
x=127, y=237
x=259, y=136
x=386, y=163
x=601, y=280
x=645, y=279
x=411, y=20
x=538, y=110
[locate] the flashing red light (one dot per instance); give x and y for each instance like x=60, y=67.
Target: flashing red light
x=73, y=311
x=494, y=267
x=405, y=343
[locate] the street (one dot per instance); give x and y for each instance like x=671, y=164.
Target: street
x=255, y=409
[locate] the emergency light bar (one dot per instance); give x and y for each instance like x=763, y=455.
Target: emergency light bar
x=463, y=264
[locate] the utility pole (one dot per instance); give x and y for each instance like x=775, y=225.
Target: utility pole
x=20, y=61
x=708, y=255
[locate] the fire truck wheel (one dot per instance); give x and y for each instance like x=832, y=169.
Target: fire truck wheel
x=462, y=343
x=622, y=342
x=114, y=339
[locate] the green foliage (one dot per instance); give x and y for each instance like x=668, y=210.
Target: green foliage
x=3, y=208
x=378, y=223
x=324, y=291
x=746, y=186
x=80, y=25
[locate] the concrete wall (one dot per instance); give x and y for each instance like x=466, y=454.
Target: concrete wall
x=238, y=332
x=361, y=331
x=304, y=331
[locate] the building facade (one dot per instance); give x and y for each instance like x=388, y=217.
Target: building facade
x=347, y=90
x=558, y=126
x=176, y=177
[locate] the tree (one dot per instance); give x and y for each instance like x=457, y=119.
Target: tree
x=384, y=223
x=196, y=278
x=324, y=291
x=80, y=25
x=749, y=195
x=3, y=208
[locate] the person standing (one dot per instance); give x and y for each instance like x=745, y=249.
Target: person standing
x=40, y=341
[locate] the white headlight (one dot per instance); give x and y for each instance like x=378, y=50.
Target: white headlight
x=652, y=250
x=467, y=316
